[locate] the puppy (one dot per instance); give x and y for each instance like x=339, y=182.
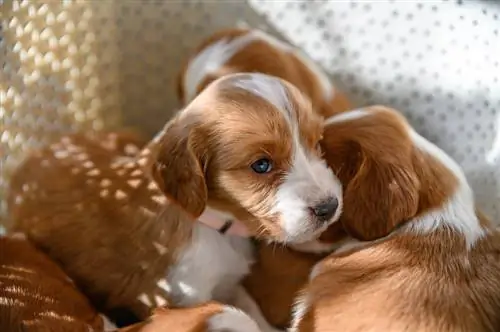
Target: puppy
x=417, y=256
x=244, y=50
x=36, y=295
x=124, y=227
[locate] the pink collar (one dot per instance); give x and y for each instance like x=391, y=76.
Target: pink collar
x=223, y=222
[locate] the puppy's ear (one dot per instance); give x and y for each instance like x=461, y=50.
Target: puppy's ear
x=178, y=167
x=379, y=198
x=372, y=157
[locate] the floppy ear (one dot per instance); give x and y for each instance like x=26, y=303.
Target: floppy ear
x=178, y=168
x=379, y=198
x=373, y=160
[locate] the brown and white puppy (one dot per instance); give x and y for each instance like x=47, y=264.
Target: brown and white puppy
x=36, y=295
x=416, y=256
x=251, y=50
x=123, y=226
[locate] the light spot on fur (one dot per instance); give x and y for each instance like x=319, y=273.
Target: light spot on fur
x=75, y=171
x=145, y=152
x=104, y=193
x=147, y=212
x=136, y=172
x=79, y=206
x=163, y=284
x=88, y=164
x=134, y=183
x=82, y=156
x=131, y=149
x=145, y=300
x=119, y=194
x=55, y=315
x=5, y=301
x=143, y=161
x=130, y=165
x=45, y=163
x=144, y=265
x=105, y=183
x=18, y=200
x=162, y=250
x=94, y=172
x=17, y=269
x=26, y=187
x=61, y=154
x=121, y=172
x=160, y=301
x=89, y=181
x=160, y=199
x=152, y=186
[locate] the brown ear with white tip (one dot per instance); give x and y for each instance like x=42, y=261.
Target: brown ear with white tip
x=178, y=169
x=372, y=156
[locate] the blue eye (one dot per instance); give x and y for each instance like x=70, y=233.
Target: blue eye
x=262, y=166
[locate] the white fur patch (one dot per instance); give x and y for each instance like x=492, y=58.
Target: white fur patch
x=459, y=211
x=323, y=80
x=224, y=263
x=215, y=56
x=267, y=87
x=243, y=301
x=348, y=116
x=299, y=310
x=232, y=319
x=108, y=324
x=210, y=60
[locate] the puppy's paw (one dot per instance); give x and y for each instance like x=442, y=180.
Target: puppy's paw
x=232, y=320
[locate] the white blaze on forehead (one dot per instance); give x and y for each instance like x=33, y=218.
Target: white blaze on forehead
x=323, y=80
x=213, y=57
x=267, y=87
x=210, y=60
x=348, y=116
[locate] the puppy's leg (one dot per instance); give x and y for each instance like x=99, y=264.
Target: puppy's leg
x=245, y=302
x=232, y=320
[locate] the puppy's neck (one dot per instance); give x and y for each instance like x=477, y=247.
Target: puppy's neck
x=446, y=198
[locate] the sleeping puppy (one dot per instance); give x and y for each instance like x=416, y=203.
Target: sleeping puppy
x=416, y=256
x=251, y=50
x=142, y=246
x=36, y=295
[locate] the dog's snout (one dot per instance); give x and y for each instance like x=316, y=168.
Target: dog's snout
x=325, y=209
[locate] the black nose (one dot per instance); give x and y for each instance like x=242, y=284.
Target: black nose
x=326, y=209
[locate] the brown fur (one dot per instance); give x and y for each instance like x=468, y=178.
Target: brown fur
x=260, y=56
x=276, y=278
x=36, y=295
x=62, y=201
x=409, y=281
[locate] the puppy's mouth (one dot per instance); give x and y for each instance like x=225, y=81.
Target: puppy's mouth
x=312, y=225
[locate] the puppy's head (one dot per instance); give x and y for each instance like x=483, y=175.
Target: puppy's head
x=254, y=51
x=249, y=145
x=372, y=154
